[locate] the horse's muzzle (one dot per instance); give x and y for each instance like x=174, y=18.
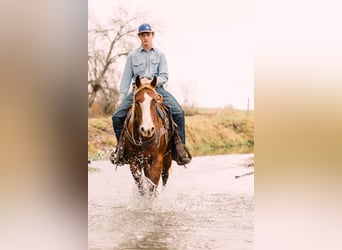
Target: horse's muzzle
x=147, y=132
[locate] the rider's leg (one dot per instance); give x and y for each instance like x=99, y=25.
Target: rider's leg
x=178, y=117
x=118, y=118
x=120, y=114
x=176, y=111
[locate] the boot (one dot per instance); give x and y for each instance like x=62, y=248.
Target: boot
x=119, y=156
x=180, y=153
x=116, y=157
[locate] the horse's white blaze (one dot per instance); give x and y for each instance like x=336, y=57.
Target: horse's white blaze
x=146, y=113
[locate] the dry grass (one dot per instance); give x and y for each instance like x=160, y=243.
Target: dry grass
x=101, y=139
x=220, y=131
x=208, y=131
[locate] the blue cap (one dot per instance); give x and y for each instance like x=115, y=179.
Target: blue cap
x=145, y=27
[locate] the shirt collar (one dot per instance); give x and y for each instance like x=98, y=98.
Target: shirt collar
x=142, y=49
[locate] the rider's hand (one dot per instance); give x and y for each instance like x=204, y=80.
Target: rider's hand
x=145, y=81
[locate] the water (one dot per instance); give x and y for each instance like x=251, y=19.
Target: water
x=202, y=207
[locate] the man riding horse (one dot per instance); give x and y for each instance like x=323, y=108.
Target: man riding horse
x=147, y=61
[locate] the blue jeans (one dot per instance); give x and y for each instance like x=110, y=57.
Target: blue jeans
x=171, y=102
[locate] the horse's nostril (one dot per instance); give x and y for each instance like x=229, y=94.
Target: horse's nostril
x=147, y=132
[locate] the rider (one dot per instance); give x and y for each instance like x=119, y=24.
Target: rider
x=147, y=61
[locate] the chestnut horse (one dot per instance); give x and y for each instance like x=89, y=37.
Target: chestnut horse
x=147, y=132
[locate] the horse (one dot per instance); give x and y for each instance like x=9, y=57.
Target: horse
x=148, y=130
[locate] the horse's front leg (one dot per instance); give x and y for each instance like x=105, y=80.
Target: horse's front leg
x=153, y=172
x=166, y=166
x=137, y=176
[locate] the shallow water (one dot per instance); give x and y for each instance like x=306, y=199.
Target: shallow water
x=203, y=207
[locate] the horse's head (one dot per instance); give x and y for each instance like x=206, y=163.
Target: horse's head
x=145, y=101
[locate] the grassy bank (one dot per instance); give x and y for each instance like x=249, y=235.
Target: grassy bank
x=208, y=131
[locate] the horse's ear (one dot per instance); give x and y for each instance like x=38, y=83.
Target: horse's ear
x=137, y=81
x=154, y=82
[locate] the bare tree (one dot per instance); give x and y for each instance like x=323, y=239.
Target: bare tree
x=107, y=46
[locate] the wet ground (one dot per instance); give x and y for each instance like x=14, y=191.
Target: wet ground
x=202, y=207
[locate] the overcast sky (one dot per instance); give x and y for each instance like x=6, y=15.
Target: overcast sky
x=207, y=43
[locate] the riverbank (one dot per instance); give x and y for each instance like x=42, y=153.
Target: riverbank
x=208, y=132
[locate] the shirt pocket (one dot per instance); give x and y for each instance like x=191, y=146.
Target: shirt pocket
x=155, y=60
x=138, y=66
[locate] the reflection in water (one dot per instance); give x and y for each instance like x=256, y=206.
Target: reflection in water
x=203, y=207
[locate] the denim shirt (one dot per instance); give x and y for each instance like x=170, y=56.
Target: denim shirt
x=145, y=64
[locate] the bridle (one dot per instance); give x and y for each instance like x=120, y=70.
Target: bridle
x=159, y=132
